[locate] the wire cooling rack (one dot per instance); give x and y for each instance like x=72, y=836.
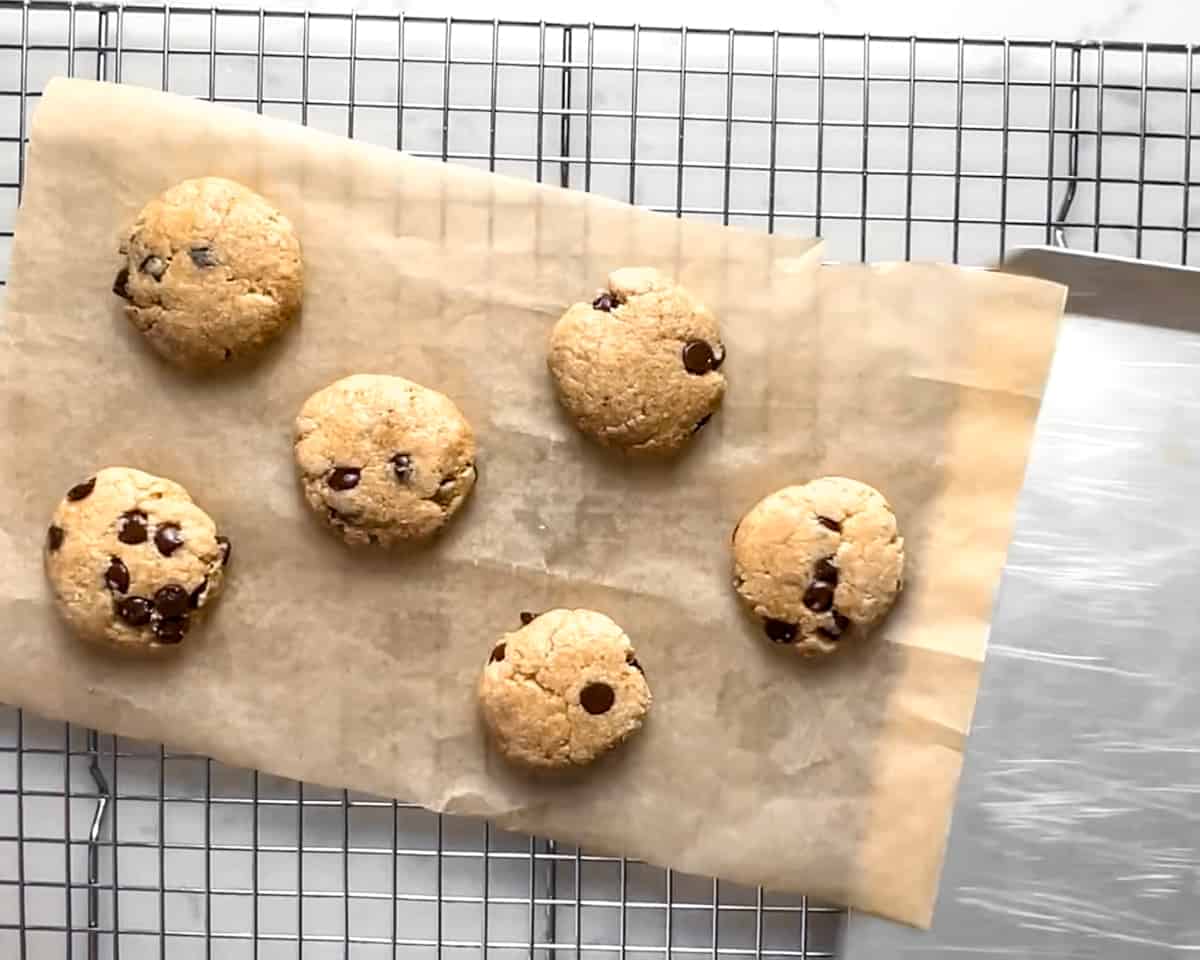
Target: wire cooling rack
x=889, y=147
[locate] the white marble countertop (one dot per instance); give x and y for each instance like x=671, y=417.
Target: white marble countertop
x=1135, y=20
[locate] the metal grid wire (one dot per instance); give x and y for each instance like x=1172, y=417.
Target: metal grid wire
x=889, y=147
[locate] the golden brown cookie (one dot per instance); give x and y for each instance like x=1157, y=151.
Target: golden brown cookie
x=819, y=561
x=638, y=367
x=133, y=561
x=563, y=690
x=383, y=459
x=212, y=272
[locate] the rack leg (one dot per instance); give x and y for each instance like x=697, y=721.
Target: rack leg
x=1068, y=200
x=93, y=848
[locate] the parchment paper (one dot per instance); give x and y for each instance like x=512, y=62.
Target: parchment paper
x=358, y=669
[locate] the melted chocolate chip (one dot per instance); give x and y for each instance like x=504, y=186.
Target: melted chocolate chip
x=698, y=357
x=830, y=524
x=171, y=600
x=597, y=698
x=633, y=662
x=135, y=611
x=826, y=571
x=116, y=577
x=54, y=537
x=226, y=550
x=818, y=597
x=527, y=618
x=840, y=621
x=168, y=538
x=497, y=653
x=606, y=301
x=131, y=528
x=402, y=466
x=700, y=424
x=121, y=284
x=82, y=490
x=154, y=266
x=779, y=631
x=344, y=478
x=203, y=257
x=197, y=595
x=171, y=629
x=826, y=634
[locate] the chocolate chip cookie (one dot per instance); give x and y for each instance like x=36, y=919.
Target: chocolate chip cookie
x=562, y=690
x=638, y=367
x=382, y=459
x=211, y=273
x=133, y=561
x=818, y=562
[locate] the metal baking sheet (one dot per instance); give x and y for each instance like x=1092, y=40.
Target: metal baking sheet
x=1077, y=828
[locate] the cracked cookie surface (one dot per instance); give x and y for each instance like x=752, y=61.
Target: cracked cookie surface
x=638, y=368
x=382, y=459
x=133, y=561
x=818, y=562
x=563, y=690
x=212, y=273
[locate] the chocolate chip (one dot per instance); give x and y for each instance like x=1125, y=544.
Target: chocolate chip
x=497, y=653
x=826, y=571
x=171, y=600
x=154, y=266
x=131, y=528
x=344, y=478
x=116, y=577
x=841, y=621
x=203, y=257
x=606, y=301
x=826, y=634
x=701, y=422
x=698, y=356
x=402, y=466
x=597, y=698
x=54, y=537
x=445, y=492
x=135, y=611
x=833, y=525
x=818, y=597
x=197, y=595
x=226, y=550
x=171, y=629
x=633, y=662
x=527, y=618
x=168, y=538
x=82, y=490
x=779, y=631
x=121, y=284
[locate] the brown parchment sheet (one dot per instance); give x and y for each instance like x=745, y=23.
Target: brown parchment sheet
x=357, y=669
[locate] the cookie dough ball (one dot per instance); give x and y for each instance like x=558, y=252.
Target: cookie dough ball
x=637, y=368
x=563, y=690
x=133, y=561
x=818, y=561
x=383, y=459
x=212, y=273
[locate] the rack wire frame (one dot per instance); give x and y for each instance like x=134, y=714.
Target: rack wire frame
x=890, y=147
